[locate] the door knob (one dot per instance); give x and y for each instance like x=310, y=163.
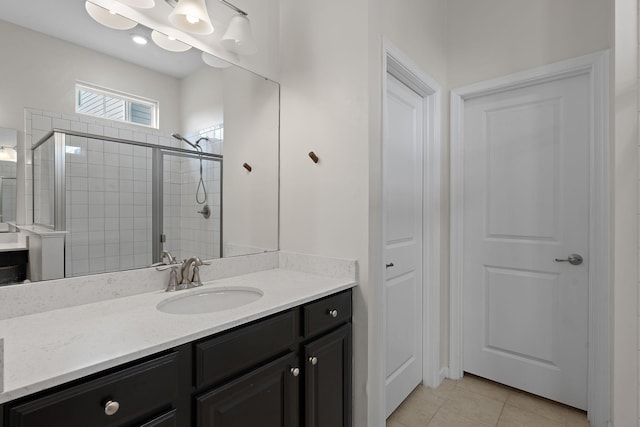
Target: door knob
x=573, y=259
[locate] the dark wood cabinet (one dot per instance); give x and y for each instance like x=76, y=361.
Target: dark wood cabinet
x=266, y=397
x=287, y=370
x=328, y=380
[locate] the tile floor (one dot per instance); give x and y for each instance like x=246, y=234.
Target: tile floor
x=476, y=402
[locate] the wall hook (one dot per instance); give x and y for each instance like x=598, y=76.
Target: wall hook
x=247, y=166
x=313, y=157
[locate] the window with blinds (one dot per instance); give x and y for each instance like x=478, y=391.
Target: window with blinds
x=116, y=106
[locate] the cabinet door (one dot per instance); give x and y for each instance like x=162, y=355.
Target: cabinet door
x=265, y=397
x=328, y=380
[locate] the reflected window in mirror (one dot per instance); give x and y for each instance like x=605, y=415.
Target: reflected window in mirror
x=113, y=105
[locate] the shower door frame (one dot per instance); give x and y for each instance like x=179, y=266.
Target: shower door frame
x=59, y=199
x=158, y=240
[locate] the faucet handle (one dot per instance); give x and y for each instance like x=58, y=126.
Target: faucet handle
x=173, y=279
x=195, y=279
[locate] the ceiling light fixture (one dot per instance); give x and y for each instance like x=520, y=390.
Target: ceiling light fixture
x=140, y=4
x=239, y=38
x=108, y=18
x=191, y=16
x=168, y=43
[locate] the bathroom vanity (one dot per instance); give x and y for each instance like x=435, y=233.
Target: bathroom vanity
x=284, y=360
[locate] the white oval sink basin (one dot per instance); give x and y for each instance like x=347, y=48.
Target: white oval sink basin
x=209, y=301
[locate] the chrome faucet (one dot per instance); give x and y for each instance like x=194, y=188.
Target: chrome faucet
x=194, y=280
x=182, y=279
x=173, y=285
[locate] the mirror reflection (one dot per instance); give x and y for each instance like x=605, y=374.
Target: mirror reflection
x=8, y=158
x=119, y=161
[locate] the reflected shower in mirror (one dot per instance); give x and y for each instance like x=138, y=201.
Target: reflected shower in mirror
x=8, y=158
x=130, y=188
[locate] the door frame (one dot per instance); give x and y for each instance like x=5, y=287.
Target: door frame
x=596, y=67
x=399, y=65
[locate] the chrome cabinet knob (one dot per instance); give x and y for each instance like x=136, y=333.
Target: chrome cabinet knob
x=313, y=360
x=295, y=371
x=333, y=313
x=111, y=407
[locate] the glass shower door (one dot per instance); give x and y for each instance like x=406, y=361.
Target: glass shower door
x=191, y=205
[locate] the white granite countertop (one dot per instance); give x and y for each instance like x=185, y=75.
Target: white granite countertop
x=46, y=349
x=12, y=246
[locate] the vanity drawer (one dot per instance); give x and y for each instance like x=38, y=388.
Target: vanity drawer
x=139, y=391
x=230, y=354
x=327, y=313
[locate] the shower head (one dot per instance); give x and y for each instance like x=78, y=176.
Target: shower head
x=182, y=138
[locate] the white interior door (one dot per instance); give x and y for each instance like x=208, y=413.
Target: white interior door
x=526, y=187
x=402, y=231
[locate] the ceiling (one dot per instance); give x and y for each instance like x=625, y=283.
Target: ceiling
x=68, y=20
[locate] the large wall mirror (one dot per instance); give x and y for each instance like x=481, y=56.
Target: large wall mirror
x=130, y=149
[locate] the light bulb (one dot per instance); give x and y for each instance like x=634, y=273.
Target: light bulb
x=192, y=19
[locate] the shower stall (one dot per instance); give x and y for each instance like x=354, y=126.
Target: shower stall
x=7, y=199
x=122, y=202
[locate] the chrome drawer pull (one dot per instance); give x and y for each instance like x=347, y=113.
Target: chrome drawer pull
x=111, y=407
x=333, y=313
x=313, y=360
x=295, y=372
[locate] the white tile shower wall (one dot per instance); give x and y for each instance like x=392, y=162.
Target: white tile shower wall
x=108, y=207
x=43, y=184
x=108, y=192
x=109, y=195
x=200, y=235
x=8, y=190
x=172, y=202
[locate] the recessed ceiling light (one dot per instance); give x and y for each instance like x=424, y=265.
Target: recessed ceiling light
x=139, y=39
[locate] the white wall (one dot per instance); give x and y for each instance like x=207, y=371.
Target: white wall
x=251, y=118
x=41, y=72
x=625, y=381
x=324, y=109
x=491, y=38
x=201, y=100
